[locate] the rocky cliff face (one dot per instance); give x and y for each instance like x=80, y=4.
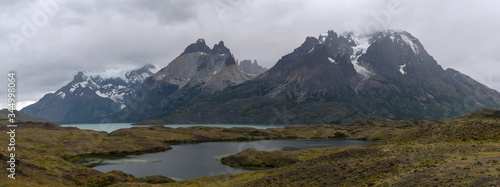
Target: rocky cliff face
x=199, y=71
x=89, y=96
x=251, y=69
x=339, y=78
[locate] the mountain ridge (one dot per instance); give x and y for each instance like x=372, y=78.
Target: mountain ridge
x=336, y=79
x=196, y=73
x=90, y=96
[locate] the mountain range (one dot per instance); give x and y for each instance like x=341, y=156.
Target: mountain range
x=90, y=97
x=251, y=69
x=335, y=79
x=198, y=72
x=330, y=79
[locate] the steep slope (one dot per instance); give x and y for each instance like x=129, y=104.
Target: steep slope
x=89, y=97
x=198, y=72
x=409, y=83
x=340, y=78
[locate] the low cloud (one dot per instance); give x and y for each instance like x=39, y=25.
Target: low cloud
x=98, y=35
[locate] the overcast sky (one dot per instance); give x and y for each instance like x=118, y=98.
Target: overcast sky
x=46, y=42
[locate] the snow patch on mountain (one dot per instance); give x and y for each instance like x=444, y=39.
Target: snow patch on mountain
x=398, y=36
x=410, y=43
x=362, y=44
x=115, y=84
x=401, y=70
x=322, y=38
x=61, y=94
x=311, y=50
x=332, y=60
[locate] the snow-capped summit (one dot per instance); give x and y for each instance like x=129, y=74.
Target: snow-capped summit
x=402, y=38
x=118, y=85
x=91, y=96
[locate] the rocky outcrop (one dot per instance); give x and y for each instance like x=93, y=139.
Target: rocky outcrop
x=251, y=69
x=198, y=72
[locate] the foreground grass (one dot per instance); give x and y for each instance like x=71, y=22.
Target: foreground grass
x=44, y=151
x=464, y=151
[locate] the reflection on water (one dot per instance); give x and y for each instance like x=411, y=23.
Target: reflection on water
x=92, y=162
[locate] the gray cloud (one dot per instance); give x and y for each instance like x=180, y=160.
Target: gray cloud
x=97, y=35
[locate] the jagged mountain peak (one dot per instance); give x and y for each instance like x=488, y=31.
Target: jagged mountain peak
x=336, y=78
x=230, y=61
x=199, y=46
x=220, y=48
x=289, y=61
x=214, y=70
x=402, y=44
x=251, y=69
x=199, y=71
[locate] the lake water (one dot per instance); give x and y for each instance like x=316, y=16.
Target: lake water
x=187, y=161
x=110, y=127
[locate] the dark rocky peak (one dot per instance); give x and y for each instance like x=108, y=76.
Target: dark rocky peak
x=337, y=44
x=246, y=63
x=308, y=45
x=199, y=46
x=220, y=49
x=327, y=47
x=398, y=53
x=79, y=77
x=255, y=63
x=230, y=61
x=293, y=58
x=320, y=57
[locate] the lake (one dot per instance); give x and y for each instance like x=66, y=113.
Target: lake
x=187, y=161
x=110, y=127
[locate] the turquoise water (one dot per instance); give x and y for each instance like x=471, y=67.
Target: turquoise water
x=110, y=127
